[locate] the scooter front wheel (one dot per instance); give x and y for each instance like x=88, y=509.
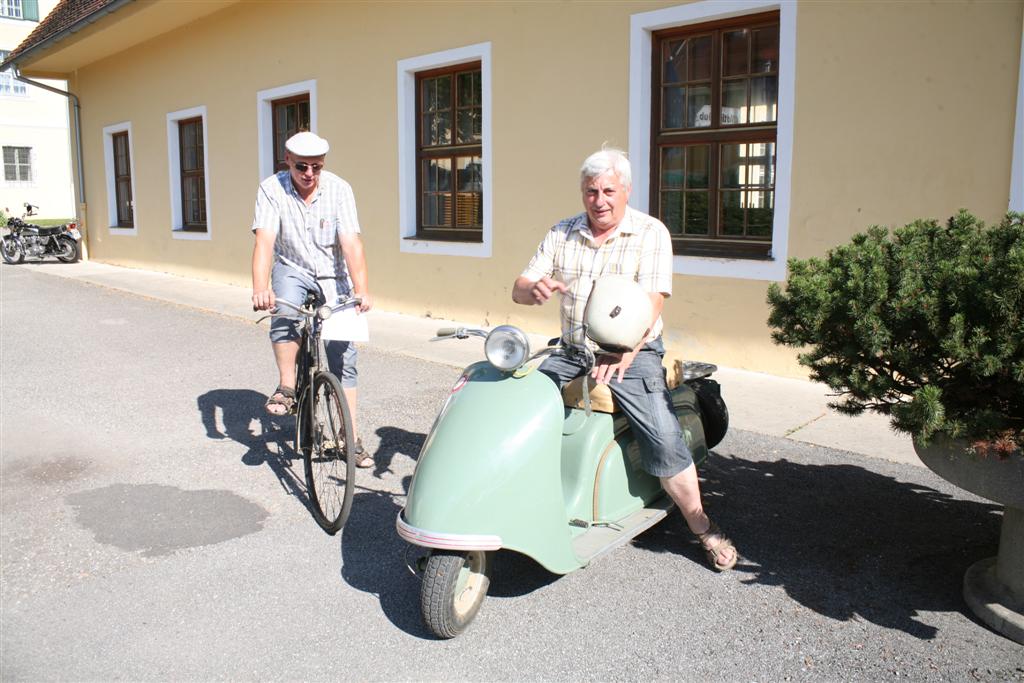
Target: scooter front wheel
x=454, y=587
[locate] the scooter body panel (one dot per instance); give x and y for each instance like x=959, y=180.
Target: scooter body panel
x=491, y=467
x=596, y=450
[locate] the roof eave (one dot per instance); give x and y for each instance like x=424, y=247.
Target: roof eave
x=40, y=49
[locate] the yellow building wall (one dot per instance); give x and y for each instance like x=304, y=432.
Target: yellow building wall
x=903, y=110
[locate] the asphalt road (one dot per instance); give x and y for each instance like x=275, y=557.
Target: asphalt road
x=154, y=528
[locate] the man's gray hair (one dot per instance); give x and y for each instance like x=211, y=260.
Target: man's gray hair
x=604, y=160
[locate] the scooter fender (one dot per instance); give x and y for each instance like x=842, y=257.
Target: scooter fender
x=489, y=473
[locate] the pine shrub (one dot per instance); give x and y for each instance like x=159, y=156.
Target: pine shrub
x=924, y=324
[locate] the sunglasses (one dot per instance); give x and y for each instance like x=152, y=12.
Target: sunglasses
x=302, y=167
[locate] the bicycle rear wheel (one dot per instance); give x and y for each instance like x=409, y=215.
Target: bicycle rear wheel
x=324, y=436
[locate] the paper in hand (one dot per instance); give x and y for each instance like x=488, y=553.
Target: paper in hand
x=348, y=324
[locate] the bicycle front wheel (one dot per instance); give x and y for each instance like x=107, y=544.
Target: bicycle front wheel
x=325, y=438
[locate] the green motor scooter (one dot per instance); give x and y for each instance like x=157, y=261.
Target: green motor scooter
x=511, y=463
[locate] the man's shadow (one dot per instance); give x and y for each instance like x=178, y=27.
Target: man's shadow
x=841, y=540
x=394, y=441
x=268, y=439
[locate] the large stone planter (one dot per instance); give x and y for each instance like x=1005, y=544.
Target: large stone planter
x=993, y=587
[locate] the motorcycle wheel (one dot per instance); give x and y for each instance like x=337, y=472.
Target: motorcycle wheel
x=454, y=587
x=12, y=251
x=68, y=250
x=714, y=414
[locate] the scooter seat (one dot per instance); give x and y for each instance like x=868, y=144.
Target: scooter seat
x=601, y=399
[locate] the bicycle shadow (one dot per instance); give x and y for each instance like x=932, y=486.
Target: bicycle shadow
x=842, y=540
x=269, y=443
x=373, y=558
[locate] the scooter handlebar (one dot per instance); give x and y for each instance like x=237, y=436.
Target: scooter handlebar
x=458, y=333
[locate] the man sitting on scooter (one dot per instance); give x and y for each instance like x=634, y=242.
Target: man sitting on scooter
x=610, y=238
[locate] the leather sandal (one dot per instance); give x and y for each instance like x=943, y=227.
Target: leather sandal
x=363, y=459
x=281, y=402
x=716, y=544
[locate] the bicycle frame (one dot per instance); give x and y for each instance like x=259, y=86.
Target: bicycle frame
x=307, y=361
x=322, y=451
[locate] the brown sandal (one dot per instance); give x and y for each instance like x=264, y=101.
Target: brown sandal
x=363, y=459
x=281, y=402
x=715, y=549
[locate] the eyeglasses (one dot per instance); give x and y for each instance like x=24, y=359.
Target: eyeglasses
x=302, y=167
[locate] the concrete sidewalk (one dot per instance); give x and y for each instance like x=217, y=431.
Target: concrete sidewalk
x=765, y=404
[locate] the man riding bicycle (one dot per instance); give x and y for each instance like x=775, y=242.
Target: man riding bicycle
x=307, y=240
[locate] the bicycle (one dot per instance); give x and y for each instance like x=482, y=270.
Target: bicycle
x=323, y=422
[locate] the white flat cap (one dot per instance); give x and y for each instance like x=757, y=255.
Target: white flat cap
x=307, y=144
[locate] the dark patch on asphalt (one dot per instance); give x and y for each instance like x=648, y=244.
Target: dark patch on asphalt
x=58, y=471
x=158, y=520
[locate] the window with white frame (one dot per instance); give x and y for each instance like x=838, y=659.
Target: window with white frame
x=27, y=10
x=444, y=138
x=18, y=164
x=280, y=112
x=8, y=85
x=189, y=177
x=120, y=172
x=711, y=130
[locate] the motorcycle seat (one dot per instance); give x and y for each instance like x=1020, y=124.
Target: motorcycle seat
x=44, y=232
x=601, y=399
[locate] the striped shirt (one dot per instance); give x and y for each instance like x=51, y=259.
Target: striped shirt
x=307, y=236
x=639, y=247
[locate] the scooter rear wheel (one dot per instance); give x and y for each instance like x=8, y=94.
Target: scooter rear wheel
x=454, y=587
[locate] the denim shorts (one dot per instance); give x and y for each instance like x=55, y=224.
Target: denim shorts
x=643, y=397
x=293, y=285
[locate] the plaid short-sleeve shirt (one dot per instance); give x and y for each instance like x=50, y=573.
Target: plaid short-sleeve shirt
x=307, y=236
x=640, y=247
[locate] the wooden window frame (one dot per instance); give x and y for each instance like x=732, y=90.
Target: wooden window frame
x=451, y=152
x=123, y=175
x=200, y=173
x=716, y=243
x=279, y=164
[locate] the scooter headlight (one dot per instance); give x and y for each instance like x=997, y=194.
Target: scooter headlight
x=506, y=347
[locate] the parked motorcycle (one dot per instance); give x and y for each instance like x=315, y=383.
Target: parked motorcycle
x=511, y=464
x=34, y=241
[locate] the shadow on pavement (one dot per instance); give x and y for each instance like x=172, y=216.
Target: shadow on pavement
x=269, y=443
x=841, y=540
x=394, y=440
x=373, y=559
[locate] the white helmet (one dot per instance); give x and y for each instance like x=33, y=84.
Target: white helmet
x=618, y=313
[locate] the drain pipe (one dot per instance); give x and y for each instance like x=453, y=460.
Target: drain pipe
x=82, y=225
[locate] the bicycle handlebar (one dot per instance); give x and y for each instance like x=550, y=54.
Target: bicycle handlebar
x=309, y=312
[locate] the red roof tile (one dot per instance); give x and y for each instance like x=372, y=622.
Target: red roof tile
x=66, y=14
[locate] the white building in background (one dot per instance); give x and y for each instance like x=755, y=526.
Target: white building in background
x=34, y=136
